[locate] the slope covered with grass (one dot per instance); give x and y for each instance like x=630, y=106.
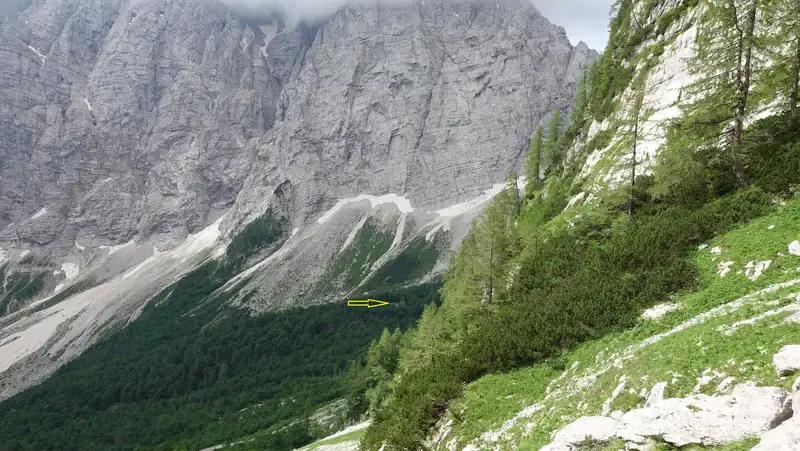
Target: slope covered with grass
x=710, y=338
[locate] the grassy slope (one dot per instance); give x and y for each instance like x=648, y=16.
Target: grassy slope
x=593, y=370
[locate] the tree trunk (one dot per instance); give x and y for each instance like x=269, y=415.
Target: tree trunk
x=795, y=86
x=490, y=288
x=744, y=72
x=633, y=166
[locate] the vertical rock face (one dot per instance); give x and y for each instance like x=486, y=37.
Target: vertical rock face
x=149, y=120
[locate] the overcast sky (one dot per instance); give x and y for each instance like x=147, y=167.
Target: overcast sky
x=584, y=20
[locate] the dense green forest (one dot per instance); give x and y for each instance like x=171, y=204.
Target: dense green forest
x=532, y=280
x=192, y=371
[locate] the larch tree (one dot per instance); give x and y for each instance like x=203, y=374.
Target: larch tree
x=727, y=38
x=782, y=47
x=634, y=122
x=534, y=163
x=551, y=148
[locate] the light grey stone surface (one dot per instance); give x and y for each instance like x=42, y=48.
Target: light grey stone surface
x=135, y=137
x=787, y=360
x=695, y=420
x=149, y=121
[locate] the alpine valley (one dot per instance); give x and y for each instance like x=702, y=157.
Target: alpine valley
x=579, y=251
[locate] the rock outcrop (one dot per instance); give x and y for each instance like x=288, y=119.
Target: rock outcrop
x=148, y=121
x=787, y=360
x=771, y=413
x=695, y=420
x=132, y=133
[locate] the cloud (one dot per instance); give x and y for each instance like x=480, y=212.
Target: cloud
x=584, y=20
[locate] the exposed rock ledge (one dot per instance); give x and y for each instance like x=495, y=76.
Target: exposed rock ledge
x=749, y=411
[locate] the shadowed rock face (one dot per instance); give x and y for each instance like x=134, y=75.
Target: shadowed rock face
x=149, y=121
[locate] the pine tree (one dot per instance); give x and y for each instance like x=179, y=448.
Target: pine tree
x=534, y=161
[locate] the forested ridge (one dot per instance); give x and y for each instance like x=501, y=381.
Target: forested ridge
x=532, y=279
x=193, y=371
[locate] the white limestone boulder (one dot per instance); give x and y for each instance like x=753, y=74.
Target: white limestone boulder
x=787, y=360
x=785, y=437
x=601, y=429
x=710, y=420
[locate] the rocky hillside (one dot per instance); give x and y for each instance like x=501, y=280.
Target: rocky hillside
x=641, y=292
x=140, y=139
x=717, y=367
x=149, y=122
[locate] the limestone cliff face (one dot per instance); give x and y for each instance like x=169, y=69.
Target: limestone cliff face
x=148, y=121
x=136, y=137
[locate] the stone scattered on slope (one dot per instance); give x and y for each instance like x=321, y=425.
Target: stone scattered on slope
x=794, y=247
x=785, y=437
x=659, y=310
x=699, y=419
x=598, y=428
x=656, y=394
x=787, y=360
x=711, y=420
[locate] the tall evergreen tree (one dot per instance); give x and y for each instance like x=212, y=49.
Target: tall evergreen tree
x=534, y=161
x=512, y=191
x=551, y=148
x=727, y=38
x=782, y=42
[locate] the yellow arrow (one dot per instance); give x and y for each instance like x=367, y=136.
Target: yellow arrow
x=368, y=303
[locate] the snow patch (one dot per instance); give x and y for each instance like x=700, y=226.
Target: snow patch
x=38, y=53
x=352, y=235
x=2, y=255
x=463, y=207
x=39, y=213
x=295, y=230
x=71, y=270
x=24, y=253
x=429, y=236
x=716, y=250
x=88, y=105
x=401, y=201
x=78, y=246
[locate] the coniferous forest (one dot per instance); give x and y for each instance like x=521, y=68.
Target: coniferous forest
x=192, y=372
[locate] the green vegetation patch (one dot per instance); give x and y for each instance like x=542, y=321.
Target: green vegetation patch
x=18, y=286
x=354, y=263
x=737, y=344
x=412, y=263
x=193, y=372
x=259, y=234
